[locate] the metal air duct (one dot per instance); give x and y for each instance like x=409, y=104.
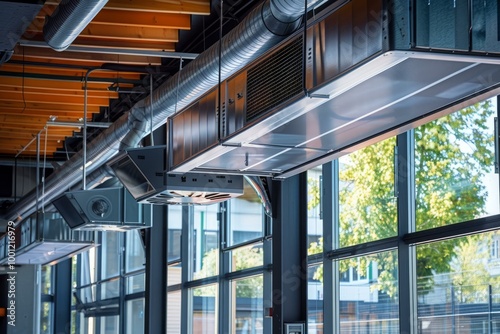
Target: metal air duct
x=262, y=29
x=68, y=21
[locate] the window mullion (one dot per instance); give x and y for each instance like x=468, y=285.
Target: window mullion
x=405, y=184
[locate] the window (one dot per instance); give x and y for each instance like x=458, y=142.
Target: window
x=245, y=217
x=134, y=251
x=314, y=210
x=204, y=311
x=370, y=306
x=247, y=305
x=206, y=238
x=366, y=194
x=315, y=299
x=457, y=287
x=174, y=312
x=454, y=168
x=135, y=316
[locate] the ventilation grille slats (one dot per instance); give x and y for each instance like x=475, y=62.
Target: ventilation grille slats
x=274, y=80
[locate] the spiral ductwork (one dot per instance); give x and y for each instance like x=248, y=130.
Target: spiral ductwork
x=68, y=21
x=263, y=28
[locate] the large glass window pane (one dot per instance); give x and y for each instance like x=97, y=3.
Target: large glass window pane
x=46, y=318
x=135, y=316
x=366, y=194
x=110, y=289
x=110, y=254
x=174, y=312
x=315, y=299
x=458, y=285
x=314, y=218
x=134, y=251
x=136, y=283
x=247, y=305
x=174, y=232
x=454, y=168
x=369, y=297
x=46, y=273
x=174, y=273
x=206, y=242
x=204, y=310
x=247, y=257
x=110, y=325
x=245, y=217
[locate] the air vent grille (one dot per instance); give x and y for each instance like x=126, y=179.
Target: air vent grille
x=274, y=80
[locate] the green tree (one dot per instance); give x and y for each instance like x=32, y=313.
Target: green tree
x=452, y=155
x=243, y=258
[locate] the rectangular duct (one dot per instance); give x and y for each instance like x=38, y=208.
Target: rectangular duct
x=359, y=88
x=103, y=209
x=142, y=172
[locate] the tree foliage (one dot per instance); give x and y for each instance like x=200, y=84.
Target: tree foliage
x=243, y=258
x=452, y=155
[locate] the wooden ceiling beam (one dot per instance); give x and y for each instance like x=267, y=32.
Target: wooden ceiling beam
x=61, y=115
x=129, y=33
x=53, y=92
x=54, y=56
x=50, y=107
x=51, y=134
x=43, y=99
x=126, y=44
x=143, y=19
x=182, y=7
x=194, y=7
x=29, y=83
x=50, y=71
x=6, y=118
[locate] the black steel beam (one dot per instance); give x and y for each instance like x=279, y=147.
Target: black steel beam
x=156, y=272
x=289, y=251
x=62, y=297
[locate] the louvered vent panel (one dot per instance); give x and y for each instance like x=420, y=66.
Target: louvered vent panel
x=274, y=80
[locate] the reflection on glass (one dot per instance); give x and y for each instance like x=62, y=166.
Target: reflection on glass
x=369, y=297
x=174, y=312
x=247, y=257
x=366, y=194
x=136, y=283
x=247, y=305
x=110, y=254
x=245, y=217
x=206, y=242
x=315, y=299
x=174, y=233
x=454, y=168
x=174, y=273
x=314, y=219
x=110, y=289
x=46, y=318
x=110, y=325
x=204, y=311
x=46, y=272
x=134, y=251
x=135, y=316
x=458, y=285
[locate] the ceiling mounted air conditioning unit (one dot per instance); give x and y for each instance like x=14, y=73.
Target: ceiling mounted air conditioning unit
x=143, y=172
x=103, y=209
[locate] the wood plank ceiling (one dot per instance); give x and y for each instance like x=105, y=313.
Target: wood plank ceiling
x=38, y=84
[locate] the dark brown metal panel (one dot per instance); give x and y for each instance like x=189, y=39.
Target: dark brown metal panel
x=208, y=106
x=177, y=129
x=236, y=103
x=188, y=139
x=345, y=38
x=195, y=131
